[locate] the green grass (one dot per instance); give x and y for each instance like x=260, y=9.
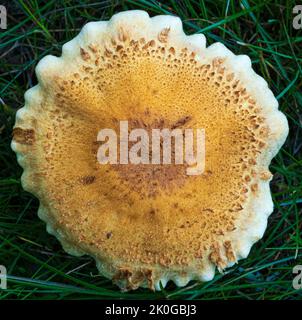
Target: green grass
x=38, y=267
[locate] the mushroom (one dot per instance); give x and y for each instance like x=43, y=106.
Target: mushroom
x=147, y=224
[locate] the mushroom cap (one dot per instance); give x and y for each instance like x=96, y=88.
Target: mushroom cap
x=148, y=224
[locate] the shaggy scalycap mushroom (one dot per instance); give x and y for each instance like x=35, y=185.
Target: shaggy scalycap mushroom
x=146, y=224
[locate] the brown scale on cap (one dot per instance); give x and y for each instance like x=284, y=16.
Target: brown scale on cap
x=146, y=217
x=24, y=136
x=129, y=280
x=149, y=179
